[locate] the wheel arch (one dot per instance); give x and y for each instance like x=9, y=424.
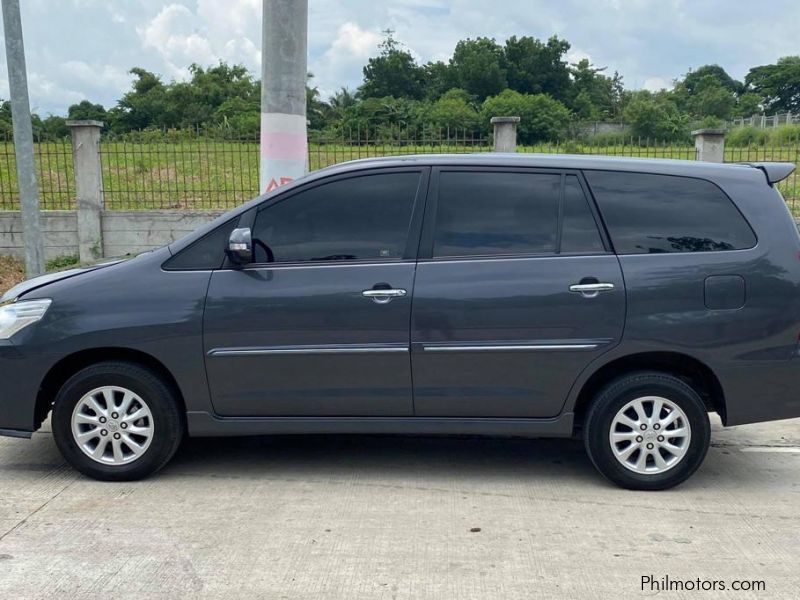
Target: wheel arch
x=65, y=368
x=688, y=368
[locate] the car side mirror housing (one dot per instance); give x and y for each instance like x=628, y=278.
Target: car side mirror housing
x=240, y=246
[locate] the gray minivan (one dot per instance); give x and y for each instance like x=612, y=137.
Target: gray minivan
x=620, y=300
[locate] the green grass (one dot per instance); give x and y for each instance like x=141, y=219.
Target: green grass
x=204, y=174
x=59, y=263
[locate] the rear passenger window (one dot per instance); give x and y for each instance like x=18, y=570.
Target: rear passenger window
x=493, y=213
x=579, y=231
x=662, y=213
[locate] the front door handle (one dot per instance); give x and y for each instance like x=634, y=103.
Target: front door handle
x=383, y=296
x=590, y=290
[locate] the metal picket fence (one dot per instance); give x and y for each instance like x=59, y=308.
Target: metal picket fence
x=789, y=187
x=189, y=170
x=54, y=170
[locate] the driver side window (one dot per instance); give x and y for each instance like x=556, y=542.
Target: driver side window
x=366, y=217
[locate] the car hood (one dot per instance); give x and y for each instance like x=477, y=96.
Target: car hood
x=36, y=282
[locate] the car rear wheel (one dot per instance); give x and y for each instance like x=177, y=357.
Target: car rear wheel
x=647, y=431
x=117, y=421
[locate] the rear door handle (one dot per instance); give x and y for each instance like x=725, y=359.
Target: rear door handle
x=383, y=296
x=590, y=290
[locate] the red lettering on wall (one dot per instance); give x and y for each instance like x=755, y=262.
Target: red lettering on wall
x=274, y=184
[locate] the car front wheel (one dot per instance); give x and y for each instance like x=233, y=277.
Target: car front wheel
x=647, y=431
x=117, y=421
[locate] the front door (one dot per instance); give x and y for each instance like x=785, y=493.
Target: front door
x=516, y=293
x=319, y=325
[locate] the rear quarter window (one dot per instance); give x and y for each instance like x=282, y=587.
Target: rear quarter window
x=648, y=214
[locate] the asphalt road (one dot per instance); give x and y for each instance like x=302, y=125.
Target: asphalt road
x=398, y=517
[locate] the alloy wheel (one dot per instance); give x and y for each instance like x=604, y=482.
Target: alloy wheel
x=112, y=425
x=650, y=435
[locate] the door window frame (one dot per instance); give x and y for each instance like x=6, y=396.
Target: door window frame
x=413, y=233
x=432, y=206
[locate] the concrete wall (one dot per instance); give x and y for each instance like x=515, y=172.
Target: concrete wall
x=136, y=231
x=602, y=127
x=123, y=231
x=59, y=230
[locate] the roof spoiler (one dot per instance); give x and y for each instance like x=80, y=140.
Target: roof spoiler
x=775, y=171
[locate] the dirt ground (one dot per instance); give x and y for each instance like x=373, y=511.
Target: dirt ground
x=11, y=272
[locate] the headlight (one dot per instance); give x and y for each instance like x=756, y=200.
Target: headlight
x=15, y=316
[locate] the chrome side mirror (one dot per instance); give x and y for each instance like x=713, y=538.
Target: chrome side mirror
x=240, y=246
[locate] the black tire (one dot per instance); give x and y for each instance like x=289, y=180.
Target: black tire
x=613, y=397
x=168, y=424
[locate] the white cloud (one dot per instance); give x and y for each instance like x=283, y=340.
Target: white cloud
x=575, y=55
x=649, y=43
x=235, y=16
x=345, y=57
x=242, y=50
x=215, y=31
x=172, y=33
x=353, y=41
x=655, y=83
x=96, y=75
x=40, y=86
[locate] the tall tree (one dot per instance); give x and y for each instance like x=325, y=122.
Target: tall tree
x=85, y=110
x=438, y=78
x=778, y=84
x=316, y=108
x=594, y=95
x=707, y=91
x=478, y=67
x=535, y=67
x=394, y=72
x=703, y=76
x=340, y=102
x=145, y=105
x=196, y=101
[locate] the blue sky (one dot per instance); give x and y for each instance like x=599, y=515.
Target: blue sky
x=80, y=49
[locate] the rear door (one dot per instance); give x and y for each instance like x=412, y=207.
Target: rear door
x=516, y=292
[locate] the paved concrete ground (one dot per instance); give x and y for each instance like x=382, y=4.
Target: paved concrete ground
x=394, y=517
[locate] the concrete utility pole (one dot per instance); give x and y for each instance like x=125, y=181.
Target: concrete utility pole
x=23, y=139
x=284, y=142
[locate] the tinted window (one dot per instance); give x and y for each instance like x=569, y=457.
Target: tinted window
x=206, y=253
x=361, y=218
x=662, y=213
x=496, y=213
x=579, y=231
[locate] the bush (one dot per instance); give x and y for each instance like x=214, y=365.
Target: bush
x=571, y=147
x=542, y=117
x=746, y=136
x=452, y=112
x=616, y=138
x=784, y=135
x=153, y=135
x=711, y=122
x=389, y=115
x=655, y=118
x=62, y=262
